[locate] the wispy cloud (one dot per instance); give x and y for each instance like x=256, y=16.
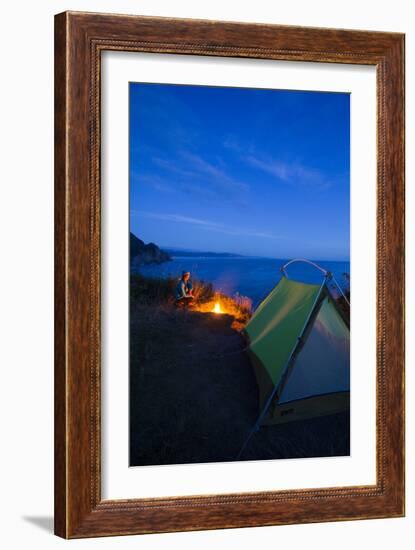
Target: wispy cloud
x=155, y=182
x=289, y=172
x=275, y=168
x=194, y=169
x=293, y=172
x=209, y=169
x=178, y=218
x=232, y=143
x=165, y=184
x=173, y=166
x=208, y=225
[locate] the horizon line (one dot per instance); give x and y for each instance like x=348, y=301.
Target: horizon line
x=178, y=248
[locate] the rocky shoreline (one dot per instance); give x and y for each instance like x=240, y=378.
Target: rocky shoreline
x=145, y=254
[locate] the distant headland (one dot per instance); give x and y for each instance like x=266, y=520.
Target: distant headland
x=185, y=253
x=145, y=254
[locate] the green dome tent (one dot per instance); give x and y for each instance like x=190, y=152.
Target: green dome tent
x=299, y=345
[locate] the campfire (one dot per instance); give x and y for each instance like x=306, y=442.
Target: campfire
x=238, y=307
x=216, y=305
x=217, y=308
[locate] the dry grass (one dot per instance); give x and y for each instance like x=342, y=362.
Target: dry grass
x=194, y=397
x=193, y=393
x=239, y=307
x=160, y=292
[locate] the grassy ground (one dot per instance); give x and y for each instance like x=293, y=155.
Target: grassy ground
x=193, y=394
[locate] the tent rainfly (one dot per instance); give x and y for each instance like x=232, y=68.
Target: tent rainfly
x=299, y=345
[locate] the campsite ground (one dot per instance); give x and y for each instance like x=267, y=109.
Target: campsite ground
x=193, y=395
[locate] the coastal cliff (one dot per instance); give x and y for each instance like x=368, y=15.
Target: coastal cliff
x=144, y=254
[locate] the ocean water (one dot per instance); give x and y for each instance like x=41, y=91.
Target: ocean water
x=247, y=276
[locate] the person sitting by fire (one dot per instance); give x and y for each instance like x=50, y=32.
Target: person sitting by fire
x=184, y=290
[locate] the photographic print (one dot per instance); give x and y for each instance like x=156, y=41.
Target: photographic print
x=239, y=274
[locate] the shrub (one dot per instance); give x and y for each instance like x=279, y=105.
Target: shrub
x=151, y=290
x=160, y=291
x=157, y=290
x=203, y=292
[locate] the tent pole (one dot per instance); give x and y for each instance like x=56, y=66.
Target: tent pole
x=276, y=387
x=295, y=260
x=341, y=291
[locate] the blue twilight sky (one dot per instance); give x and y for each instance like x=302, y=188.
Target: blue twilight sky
x=247, y=171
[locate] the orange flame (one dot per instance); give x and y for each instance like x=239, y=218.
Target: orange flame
x=217, y=308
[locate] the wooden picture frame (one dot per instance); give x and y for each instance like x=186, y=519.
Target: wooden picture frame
x=79, y=40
